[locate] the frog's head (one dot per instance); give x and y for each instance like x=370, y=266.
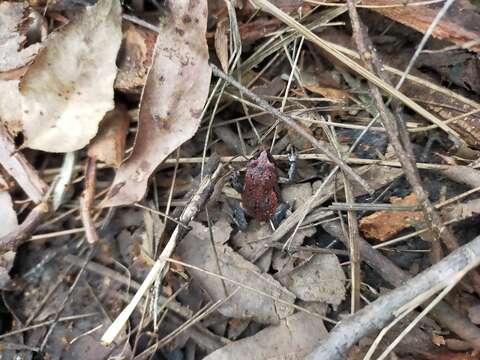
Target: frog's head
x=263, y=163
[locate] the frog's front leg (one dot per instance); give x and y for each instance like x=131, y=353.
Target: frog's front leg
x=279, y=214
x=237, y=181
x=292, y=169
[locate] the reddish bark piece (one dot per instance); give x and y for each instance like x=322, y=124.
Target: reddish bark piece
x=459, y=25
x=383, y=225
x=172, y=100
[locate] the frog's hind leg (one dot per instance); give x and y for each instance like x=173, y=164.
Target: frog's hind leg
x=279, y=214
x=239, y=218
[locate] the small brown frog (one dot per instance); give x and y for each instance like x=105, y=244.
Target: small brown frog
x=260, y=191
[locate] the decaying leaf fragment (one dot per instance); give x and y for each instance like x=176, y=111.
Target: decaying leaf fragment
x=13, y=57
x=68, y=88
x=172, y=100
x=108, y=145
x=12, y=54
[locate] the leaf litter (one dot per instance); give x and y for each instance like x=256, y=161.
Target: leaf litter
x=136, y=137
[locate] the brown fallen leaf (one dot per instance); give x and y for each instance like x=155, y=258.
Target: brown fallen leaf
x=135, y=58
x=172, y=100
x=383, y=225
x=292, y=339
x=196, y=249
x=68, y=88
x=108, y=145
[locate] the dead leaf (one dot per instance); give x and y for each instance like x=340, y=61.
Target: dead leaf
x=294, y=338
x=13, y=56
x=13, y=18
x=320, y=279
x=9, y=224
x=69, y=87
x=10, y=106
x=172, y=100
x=281, y=261
x=295, y=194
x=221, y=43
x=252, y=243
x=383, y=225
x=196, y=249
x=108, y=145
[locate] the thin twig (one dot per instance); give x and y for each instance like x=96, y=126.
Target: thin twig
x=86, y=201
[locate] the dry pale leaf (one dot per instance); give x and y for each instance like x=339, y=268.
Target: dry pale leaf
x=108, y=145
x=10, y=106
x=68, y=88
x=196, y=249
x=253, y=242
x=320, y=279
x=13, y=17
x=296, y=194
x=9, y=224
x=13, y=56
x=292, y=339
x=172, y=100
x=281, y=260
